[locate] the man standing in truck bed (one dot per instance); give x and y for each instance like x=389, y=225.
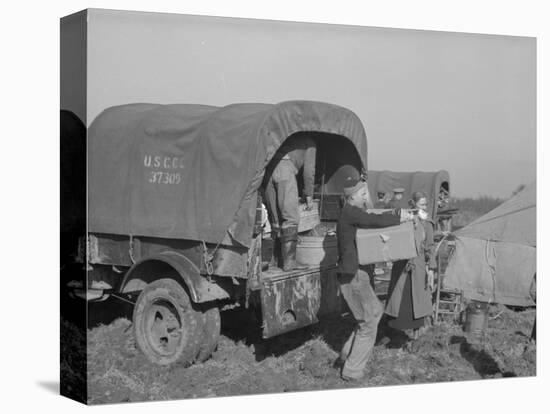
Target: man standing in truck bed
x=354, y=278
x=282, y=194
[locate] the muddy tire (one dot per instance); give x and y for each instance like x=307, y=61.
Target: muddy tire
x=210, y=334
x=166, y=326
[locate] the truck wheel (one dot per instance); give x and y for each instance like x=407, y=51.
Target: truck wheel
x=210, y=334
x=166, y=326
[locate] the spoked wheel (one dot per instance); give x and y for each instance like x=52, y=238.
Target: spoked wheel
x=166, y=326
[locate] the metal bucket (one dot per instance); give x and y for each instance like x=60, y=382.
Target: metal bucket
x=476, y=318
x=317, y=251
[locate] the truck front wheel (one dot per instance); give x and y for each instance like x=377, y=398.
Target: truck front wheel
x=166, y=327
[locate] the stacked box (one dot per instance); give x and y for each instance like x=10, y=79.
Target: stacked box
x=386, y=244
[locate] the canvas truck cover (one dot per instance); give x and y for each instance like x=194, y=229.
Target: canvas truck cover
x=192, y=171
x=427, y=182
x=495, y=256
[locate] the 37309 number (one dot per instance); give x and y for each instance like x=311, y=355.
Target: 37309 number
x=161, y=177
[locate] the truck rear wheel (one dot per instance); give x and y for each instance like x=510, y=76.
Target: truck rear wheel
x=166, y=327
x=210, y=333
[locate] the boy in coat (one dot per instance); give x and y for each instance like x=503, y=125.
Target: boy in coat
x=354, y=278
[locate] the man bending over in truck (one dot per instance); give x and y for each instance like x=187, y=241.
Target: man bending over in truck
x=281, y=194
x=354, y=278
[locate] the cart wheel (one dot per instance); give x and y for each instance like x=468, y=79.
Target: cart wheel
x=166, y=326
x=210, y=334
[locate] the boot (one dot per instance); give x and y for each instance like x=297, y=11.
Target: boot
x=289, y=241
x=276, y=249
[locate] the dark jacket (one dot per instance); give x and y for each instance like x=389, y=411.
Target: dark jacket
x=421, y=294
x=302, y=152
x=352, y=218
x=394, y=203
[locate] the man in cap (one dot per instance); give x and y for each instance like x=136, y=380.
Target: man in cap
x=281, y=193
x=354, y=278
x=397, y=198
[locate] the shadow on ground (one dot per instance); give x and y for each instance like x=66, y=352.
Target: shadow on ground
x=242, y=325
x=481, y=360
x=107, y=311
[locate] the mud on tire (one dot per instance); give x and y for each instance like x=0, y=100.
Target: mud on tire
x=166, y=327
x=210, y=334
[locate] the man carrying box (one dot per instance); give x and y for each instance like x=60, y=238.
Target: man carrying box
x=354, y=278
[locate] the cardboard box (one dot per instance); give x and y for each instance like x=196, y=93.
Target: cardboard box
x=386, y=244
x=308, y=218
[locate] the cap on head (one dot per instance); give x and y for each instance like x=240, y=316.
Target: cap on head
x=352, y=185
x=399, y=190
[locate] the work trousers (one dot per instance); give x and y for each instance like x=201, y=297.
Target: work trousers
x=367, y=311
x=282, y=195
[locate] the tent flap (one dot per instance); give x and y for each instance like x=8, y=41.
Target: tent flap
x=495, y=255
x=492, y=271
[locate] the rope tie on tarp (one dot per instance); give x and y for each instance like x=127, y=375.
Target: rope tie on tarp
x=322, y=188
x=207, y=258
x=445, y=237
x=492, y=270
x=131, y=249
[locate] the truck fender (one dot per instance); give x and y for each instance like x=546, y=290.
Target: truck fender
x=176, y=266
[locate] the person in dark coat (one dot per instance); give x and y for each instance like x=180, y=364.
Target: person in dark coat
x=354, y=279
x=281, y=194
x=410, y=291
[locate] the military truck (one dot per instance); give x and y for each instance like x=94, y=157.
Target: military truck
x=173, y=225
x=435, y=184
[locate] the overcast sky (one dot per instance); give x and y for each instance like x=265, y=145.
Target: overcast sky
x=428, y=100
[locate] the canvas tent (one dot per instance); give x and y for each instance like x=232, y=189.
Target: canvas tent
x=495, y=256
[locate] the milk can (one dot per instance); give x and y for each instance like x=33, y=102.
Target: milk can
x=476, y=318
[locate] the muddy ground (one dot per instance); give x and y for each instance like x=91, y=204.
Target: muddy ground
x=302, y=360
